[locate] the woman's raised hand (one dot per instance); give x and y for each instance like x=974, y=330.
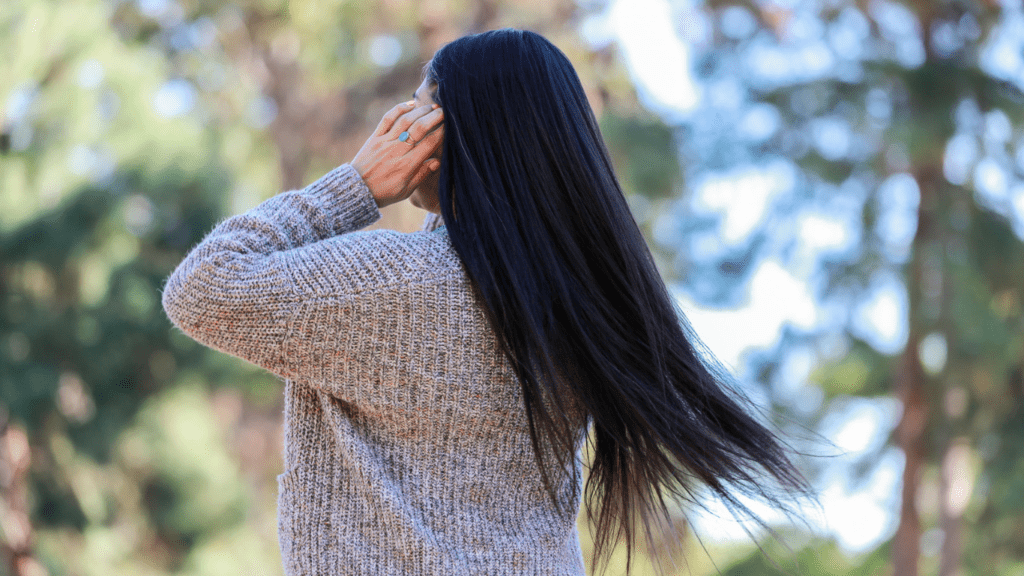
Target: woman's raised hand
x=391, y=168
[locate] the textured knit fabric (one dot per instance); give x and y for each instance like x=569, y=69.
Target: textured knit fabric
x=407, y=448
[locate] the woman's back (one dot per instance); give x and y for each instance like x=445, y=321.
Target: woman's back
x=407, y=450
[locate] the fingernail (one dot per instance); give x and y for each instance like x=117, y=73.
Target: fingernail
x=410, y=103
x=436, y=106
x=434, y=166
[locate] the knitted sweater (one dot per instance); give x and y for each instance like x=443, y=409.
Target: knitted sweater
x=407, y=449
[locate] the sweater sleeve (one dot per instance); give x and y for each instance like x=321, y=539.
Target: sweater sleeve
x=235, y=291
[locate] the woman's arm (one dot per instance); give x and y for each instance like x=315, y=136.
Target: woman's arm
x=236, y=290
x=239, y=290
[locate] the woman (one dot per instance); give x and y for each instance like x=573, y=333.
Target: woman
x=439, y=385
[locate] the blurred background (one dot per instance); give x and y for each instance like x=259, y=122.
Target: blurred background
x=833, y=189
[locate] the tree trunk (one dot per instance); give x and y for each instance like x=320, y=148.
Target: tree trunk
x=910, y=438
x=910, y=381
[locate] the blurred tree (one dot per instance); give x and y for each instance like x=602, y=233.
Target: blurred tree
x=887, y=140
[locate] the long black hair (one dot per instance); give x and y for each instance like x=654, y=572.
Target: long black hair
x=540, y=223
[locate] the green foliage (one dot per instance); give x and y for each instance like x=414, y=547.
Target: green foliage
x=102, y=197
x=816, y=558
x=643, y=147
x=191, y=485
x=862, y=371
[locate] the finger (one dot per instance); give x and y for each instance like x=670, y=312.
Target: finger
x=425, y=124
x=426, y=147
x=392, y=115
x=408, y=117
x=425, y=169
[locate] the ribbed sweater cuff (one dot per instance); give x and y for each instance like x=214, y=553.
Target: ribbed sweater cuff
x=346, y=197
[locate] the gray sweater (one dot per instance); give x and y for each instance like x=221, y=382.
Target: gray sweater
x=407, y=449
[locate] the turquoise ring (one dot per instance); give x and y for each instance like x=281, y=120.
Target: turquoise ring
x=404, y=136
